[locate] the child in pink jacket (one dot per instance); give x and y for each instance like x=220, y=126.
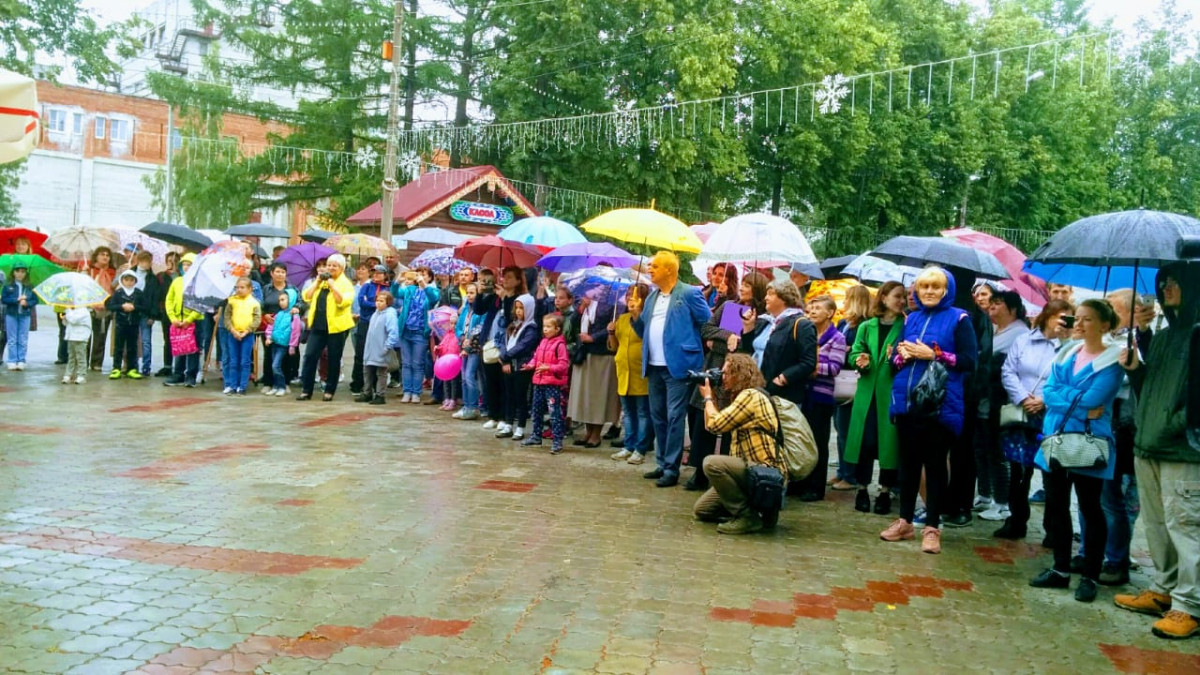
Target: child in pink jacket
x=551, y=367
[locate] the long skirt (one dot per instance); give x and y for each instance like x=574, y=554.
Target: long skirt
x=593, y=398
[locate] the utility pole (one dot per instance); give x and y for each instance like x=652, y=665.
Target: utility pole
x=389, y=162
x=170, y=151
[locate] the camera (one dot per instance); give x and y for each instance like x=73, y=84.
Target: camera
x=324, y=276
x=1068, y=322
x=712, y=375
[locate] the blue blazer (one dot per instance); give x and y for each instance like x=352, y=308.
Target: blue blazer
x=681, y=336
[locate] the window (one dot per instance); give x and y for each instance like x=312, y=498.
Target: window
x=101, y=124
x=176, y=139
x=121, y=130
x=57, y=120
x=77, y=124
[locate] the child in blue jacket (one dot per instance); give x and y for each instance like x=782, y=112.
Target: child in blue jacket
x=19, y=303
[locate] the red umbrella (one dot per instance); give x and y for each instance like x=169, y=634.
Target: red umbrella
x=1030, y=288
x=492, y=251
x=10, y=235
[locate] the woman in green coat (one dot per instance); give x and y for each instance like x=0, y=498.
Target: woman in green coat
x=872, y=434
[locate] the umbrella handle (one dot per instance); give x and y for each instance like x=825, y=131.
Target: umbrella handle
x=1132, y=312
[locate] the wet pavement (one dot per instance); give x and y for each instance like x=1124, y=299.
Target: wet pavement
x=154, y=529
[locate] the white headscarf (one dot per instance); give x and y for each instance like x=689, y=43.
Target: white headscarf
x=527, y=303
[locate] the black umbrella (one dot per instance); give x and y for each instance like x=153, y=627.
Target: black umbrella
x=1117, y=241
x=921, y=251
x=317, y=236
x=257, y=230
x=180, y=235
x=834, y=266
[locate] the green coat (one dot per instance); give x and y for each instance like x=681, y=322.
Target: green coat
x=875, y=383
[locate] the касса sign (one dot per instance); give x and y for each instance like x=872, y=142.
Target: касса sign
x=478, y=212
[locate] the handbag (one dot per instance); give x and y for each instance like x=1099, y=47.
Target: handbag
x=1075, y=450
x=393, y=361
x=491, y=353
x=845, y=385
x=1012, y=414
x=183, y=340
x=925, y=400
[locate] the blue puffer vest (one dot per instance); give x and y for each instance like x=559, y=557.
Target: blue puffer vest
x=938, y=325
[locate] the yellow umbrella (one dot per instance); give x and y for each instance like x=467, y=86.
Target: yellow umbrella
x=644, y=226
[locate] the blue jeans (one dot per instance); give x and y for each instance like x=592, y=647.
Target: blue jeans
x=637, y=423
x=147, y=329
x=223, y=338
x=668, y=411
x=470, y=381
x=238, y=354
x=278, y=356
x=17, y=328
x=1119, y=499
x=414, y=347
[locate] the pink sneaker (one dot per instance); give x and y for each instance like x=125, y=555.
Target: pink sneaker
x=931, y=540
x=899, y=530
x=448, y=405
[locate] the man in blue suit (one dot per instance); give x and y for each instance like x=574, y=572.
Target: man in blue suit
x=669, y=323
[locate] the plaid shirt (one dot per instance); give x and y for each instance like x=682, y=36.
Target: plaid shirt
x=752, y=420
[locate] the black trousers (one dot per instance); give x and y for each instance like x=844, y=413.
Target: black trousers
x=704, y=443
x=820, y=418
x=863, y=471
x=360, y=343
x=493, y=388
x=923, y=445
x=165, y=326
x=1058, y=505
x=125, y=345
x=960, y=495
x=1019, y=477
x=62, y=338
x=516, y=397
x=317, y=343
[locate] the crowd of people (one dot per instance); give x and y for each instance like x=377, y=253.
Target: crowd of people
x=951, y=390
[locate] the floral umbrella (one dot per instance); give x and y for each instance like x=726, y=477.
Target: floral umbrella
x=361, y=246
x=71, y=289
x=212, y=277
x=441, y=261
x=76, y=244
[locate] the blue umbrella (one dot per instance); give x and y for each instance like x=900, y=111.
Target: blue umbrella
x=571, y=257
x=544, y=232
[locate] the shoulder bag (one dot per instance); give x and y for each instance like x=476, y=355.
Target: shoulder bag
x=925, y=400
x=1012, y=414
x=1075, y=450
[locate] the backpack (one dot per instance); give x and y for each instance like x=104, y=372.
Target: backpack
x=793, y=438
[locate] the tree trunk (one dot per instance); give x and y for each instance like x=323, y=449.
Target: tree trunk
x=466, y=69
x=777, y=193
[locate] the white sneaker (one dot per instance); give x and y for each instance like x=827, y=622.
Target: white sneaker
x=12, y=366
x=996, y=512
x=21, y=366
x=982, y=504
x=227, y=391
x=518, y=434
x=81, y=380
x=636, y=458
x=66, y=379
x=490, y=424
x=623, y=454
x=281, y=392
x=267, y=391
x=459, y=415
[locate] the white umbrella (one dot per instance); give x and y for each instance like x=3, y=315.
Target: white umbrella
x=433, y=235
x=868, y=268
x=212, y=277
x=759, y=240
x=18, y=116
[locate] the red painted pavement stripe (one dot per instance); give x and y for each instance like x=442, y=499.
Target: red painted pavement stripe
x=773, y=613
x=319, y=644
x=1130, y=659
x=163, y=404
x=505, y=486
x=34, y=431
x=343, y=419
x=169, y=467
x=104, y=545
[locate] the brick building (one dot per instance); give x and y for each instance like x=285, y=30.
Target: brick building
x=95, y=148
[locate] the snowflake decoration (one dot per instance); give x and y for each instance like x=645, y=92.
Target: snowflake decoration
x=366, y=157
x=410, y=164
x=831, y=92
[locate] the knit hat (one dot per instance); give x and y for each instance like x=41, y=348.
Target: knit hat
x=188, y=258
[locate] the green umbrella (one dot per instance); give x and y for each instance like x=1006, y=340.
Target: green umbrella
x=39, y=269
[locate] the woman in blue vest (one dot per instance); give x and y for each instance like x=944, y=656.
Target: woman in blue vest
x=937, y=336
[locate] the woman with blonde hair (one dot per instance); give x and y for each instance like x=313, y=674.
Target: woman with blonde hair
x=856, y=309
x=330, y=321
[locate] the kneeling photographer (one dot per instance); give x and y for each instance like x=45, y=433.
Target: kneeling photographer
x=752, y=421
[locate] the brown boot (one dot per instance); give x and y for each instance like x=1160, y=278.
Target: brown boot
x=1176, y=625
x=1146, y=602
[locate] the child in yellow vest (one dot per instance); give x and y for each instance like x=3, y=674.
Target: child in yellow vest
x=242, y=317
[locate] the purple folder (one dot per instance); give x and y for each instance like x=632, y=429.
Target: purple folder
x=731, y=317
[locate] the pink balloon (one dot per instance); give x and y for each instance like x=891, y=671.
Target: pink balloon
x=447, y=367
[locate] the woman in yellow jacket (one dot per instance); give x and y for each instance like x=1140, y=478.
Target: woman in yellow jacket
x=632, y=387
x=330, y=321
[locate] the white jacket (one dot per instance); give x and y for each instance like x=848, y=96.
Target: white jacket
x=79, y=325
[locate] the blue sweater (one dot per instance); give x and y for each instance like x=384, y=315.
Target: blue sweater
x=1096, y=384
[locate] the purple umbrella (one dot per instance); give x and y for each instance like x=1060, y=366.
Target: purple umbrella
x=441, y=261
x=572, y=257
x=301, y=260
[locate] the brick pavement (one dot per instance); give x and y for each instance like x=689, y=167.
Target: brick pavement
x=145, y=529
